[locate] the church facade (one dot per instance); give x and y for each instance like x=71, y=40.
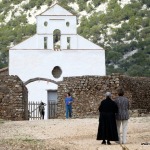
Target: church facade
x=54, y=52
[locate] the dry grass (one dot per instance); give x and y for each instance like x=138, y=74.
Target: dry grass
x=71, y=134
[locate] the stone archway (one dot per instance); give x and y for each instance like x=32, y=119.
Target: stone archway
x=42, y=79
x=33, y=105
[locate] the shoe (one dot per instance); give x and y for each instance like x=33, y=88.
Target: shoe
x=103, y=142
x=108, y=143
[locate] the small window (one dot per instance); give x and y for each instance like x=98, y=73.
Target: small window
x=56, y=72
x=45, y=42
x=68, y=42
x=67, y=24
x=45, y=23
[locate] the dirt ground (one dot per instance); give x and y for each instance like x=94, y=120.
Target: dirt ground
x=71, y=134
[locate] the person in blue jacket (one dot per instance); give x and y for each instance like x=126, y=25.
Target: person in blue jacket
x=68, y=103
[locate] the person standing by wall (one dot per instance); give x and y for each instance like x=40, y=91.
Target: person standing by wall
x=107, y=129
x=42, y=109
x=68, y=103
x=122, y=115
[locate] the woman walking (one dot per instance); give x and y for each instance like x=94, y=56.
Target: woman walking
x=107, y=129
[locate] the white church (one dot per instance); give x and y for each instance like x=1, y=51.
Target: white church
x=54, y=52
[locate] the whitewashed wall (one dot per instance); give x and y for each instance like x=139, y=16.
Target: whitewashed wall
x=56, y=22
x=29, y=64
x=39, y=63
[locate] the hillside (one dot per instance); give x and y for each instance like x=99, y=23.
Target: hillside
x=121, y=27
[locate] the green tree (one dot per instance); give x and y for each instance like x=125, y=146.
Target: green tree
x=147, y=2
x=49, y=2
x=113, y=56
x=96, y=2
x=39, y=3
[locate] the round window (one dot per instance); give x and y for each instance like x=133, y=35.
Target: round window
x=45, y=23
x=56, y=72
x=67, y=24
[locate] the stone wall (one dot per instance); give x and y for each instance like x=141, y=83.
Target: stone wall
x=13, y=98
x=4, y=71
x=138, y=91
x=88, y=92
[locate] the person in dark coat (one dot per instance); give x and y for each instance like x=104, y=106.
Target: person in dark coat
x=107, y=129
x=42, y=109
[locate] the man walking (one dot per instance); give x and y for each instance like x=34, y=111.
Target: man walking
x=123, y=115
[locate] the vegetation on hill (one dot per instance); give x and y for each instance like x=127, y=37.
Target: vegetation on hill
x=123, y=31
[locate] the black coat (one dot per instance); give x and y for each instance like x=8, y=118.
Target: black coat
x=107, y=129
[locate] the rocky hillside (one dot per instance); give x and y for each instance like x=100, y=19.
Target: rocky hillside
x=121, y=27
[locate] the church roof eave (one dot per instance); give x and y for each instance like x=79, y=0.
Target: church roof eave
x=66, y=13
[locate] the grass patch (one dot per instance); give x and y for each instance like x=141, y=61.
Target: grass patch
x=22, y=144
x=32, y=144
x=1, y=121
x=31, y=141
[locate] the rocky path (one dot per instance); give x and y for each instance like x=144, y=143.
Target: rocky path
x=71, y=134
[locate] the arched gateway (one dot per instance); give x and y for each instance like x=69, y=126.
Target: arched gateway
x=51, y=105
x=40, y=79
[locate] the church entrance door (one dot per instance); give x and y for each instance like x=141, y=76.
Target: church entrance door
x=52, y=103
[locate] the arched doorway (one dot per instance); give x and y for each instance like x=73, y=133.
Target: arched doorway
x=57, y=40
x=36, y=89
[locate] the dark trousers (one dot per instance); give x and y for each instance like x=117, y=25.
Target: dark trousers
x=42, y=114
